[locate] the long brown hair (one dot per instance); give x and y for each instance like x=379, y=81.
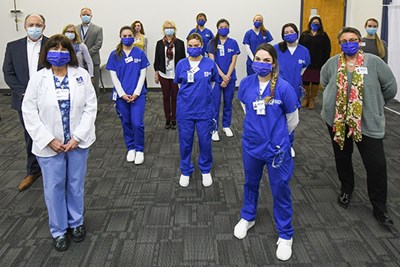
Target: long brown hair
x=118, y=51
x=217, y=36
x=141, y=26
x=378, y=41
x=197, y=17
x=275, y=70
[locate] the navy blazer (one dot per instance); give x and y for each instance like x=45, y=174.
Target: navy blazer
x=16, y=69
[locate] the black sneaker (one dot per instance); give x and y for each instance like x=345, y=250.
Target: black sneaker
x=383, y=218
x=344, y=200
x=173, y=125
x=61, y=243
x=168, y=124
x=78, y=233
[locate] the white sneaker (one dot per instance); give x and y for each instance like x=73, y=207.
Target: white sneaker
x=292, y=152
x=130, y=157
x=139, y=158
x=184, y=180
x=284, y=250
x=228, y=132
x=207, y=179
x=241, y=228
x=215, y=136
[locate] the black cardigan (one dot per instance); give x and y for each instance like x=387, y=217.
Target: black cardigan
x=159, y=58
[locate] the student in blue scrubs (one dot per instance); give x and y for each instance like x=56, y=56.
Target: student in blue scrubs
x=224, y=51
x=253, y=38
x=127, y=65
x=195, y=109
x=271, y=114
x=293, y=60
x=205, y=33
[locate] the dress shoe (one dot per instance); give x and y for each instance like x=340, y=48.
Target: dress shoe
x=228, y=132
x=168, y=124
x=241, y=228
x=78, y=233
x=383, y=218
x=139, y=158
x=284, y=250
x=28, y=181
x=173, y=125
x=184, y=180
x=61, y=243
x=344, y=200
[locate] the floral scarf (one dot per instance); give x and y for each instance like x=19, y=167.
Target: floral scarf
x=349, y=111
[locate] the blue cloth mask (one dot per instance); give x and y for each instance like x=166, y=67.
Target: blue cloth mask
x=169, y=32
x=86, y=19
x=290, y=38
x=223, y=31
x=371, y=30
x=58, y=58
x=262, y=68
x=194, y=51
x=127, y=41
x=201, y=22
x=257, y=24
x=70, y=35
x=350, y=48
x=315, y=26
x=34, y=32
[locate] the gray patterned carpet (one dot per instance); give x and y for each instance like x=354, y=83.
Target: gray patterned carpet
x=140, y=216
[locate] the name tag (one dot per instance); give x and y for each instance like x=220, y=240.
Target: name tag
x=259, y=107
x=62, y=94
x=128, y=59
x=362, y=70
x=190, y=77
x=221, y=50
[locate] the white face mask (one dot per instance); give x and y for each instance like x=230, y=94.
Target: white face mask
x=34, y=32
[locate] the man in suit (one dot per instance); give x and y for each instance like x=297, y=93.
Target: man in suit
x=92, y=36
x=21, y=61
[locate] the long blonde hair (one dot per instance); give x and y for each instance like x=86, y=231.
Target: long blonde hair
x=378, y=41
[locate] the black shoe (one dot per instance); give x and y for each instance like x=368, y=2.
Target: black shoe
x=167, y=124
x=61, y=243
x=78, y=233
x=173, y=125
x=344, y=200
x=383, y=218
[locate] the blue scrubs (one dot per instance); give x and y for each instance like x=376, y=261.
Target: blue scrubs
x=223, y=57
x=265, y=142
x=195, y=109
x=254, y=40
x=131, y=114
x=206, y=34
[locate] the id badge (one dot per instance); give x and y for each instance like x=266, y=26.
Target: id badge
x=114, y=96
x=62, y=94
x=128, y=59
x=221, y=50
x=259, y=107
x=190, y=77
x=362, y=70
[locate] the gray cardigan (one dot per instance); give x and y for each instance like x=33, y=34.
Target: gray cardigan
x=379, y=87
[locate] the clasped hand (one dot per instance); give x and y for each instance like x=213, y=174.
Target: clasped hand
x=129, y=98
x=58, y=147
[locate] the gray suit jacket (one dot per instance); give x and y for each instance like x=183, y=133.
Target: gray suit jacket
x=93, y=40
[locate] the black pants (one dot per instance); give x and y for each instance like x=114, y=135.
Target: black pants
x=32, y=166
x=373, y=157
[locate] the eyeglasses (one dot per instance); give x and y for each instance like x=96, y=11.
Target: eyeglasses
x=351, y=40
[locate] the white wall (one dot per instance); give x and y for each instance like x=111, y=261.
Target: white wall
x=153, y=13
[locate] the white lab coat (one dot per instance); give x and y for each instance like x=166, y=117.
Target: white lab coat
x=42, y=116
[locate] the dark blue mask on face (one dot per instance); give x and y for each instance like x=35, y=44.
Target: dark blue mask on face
x=58, y=58
x=257, y=24
x=315, y=26
x=262, y=68
x=127, y=41
x=201, y=22
x=290, y=38
x=350, y=48
x=194, y=51
x=223, y=31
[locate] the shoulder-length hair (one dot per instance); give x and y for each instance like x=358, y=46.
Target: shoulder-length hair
x=56, y=41
x=77, y=38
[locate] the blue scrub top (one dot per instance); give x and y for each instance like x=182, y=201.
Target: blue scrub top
x=290, y=66
x=206, y=35
x=128, y=68
x=231, y=48
x=195, y=100
x=263, y=133
x=254, y=40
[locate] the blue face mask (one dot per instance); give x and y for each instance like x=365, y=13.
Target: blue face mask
x=315, y=26
x=58, y=58
x=194, y=51
x=86, y=19
x=262, y=68
x=201, y=22
x=223, y=31
x=127, y=41
x=34, y=32
x=257, y=24
x=70, y=35
x=350, y=48
x=290, y=38
x=371, y=30
x=169, y=32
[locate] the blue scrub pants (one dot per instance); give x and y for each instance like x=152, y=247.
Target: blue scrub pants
x=227, y=92
x=279, y=179
x=186, y=129
x=63, y=183
x=132, y=119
